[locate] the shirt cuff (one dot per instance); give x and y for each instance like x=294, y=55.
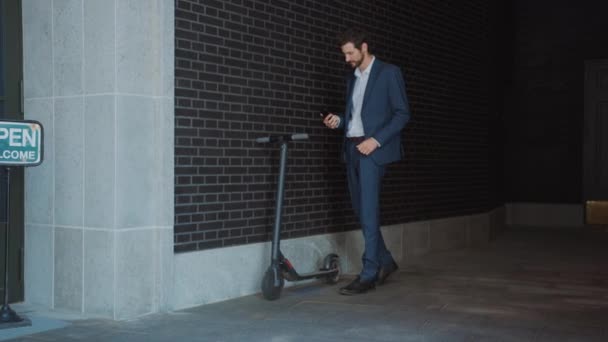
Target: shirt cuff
x=376, y=141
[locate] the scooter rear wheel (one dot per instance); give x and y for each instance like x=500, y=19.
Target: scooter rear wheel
x=332, y=262
x=272, y=284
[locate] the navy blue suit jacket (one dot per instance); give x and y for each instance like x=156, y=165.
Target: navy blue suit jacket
x=385, y=110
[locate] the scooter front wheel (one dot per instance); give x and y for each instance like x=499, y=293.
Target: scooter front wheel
x=332, y=262
x=272, y=283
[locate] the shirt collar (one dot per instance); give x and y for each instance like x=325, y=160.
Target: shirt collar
x=367, y=70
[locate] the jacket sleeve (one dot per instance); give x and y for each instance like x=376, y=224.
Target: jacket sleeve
x=341, y=122
x=399, y=106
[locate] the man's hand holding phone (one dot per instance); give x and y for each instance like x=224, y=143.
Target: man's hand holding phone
x=330, y=119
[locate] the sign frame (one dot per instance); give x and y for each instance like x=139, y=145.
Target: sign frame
x=40, y=147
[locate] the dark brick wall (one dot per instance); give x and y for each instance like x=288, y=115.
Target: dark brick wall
x=544, y=102
x=245, y=69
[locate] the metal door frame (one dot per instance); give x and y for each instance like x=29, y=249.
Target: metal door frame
x=11, y=62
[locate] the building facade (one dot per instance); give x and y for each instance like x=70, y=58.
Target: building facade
x=152, y=195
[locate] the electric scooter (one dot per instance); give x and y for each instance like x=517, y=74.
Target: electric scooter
x=280, y=268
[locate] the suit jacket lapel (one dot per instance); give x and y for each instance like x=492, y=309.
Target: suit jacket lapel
x=373, y=77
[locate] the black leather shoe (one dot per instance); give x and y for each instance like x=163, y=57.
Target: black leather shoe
x=385, y=271
x=357, y=286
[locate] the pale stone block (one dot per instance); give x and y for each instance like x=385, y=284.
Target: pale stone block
x=37, y=48
x=448, y=233
x=135, y=273
x=99, y=273
x=203, y=277
x=166, y=271
x=137, y=181
x=498, y=219
x=200, y=277
x=165, y=162
x=38, y=265
x=138, y=51
x=393, y=238
x=168, y=49
x=67, y=47
x=478, y=230
x=39, y=191
x=545, y=214
x=69, y=153
x=99, y=49
x=99, y=152
x=68, y=269
x=416, y=238
x=355, y=246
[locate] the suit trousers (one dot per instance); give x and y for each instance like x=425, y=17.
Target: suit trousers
x=364, y=183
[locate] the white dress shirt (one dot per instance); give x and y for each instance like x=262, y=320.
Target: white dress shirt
x=355, y=125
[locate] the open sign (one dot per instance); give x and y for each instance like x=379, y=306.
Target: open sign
x=21, y=143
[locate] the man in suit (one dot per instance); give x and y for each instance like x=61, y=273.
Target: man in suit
x=376, y=111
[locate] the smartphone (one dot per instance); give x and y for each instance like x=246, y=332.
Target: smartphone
x=324, y=113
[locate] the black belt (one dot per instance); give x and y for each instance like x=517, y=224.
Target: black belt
x=356, y=139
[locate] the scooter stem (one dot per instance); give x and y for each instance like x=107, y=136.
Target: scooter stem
x=276, y=233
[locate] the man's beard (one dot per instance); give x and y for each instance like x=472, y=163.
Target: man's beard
x=356, y=63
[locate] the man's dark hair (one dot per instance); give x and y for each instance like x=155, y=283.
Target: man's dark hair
x=355, y=36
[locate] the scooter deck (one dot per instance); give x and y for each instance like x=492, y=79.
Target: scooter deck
x=290, y=274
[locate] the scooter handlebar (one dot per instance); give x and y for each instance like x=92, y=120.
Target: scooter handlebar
x=282, y=138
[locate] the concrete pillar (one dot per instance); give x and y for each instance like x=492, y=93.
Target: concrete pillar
x=98, y=74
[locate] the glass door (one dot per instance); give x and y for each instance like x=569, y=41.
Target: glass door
x=11, y=108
